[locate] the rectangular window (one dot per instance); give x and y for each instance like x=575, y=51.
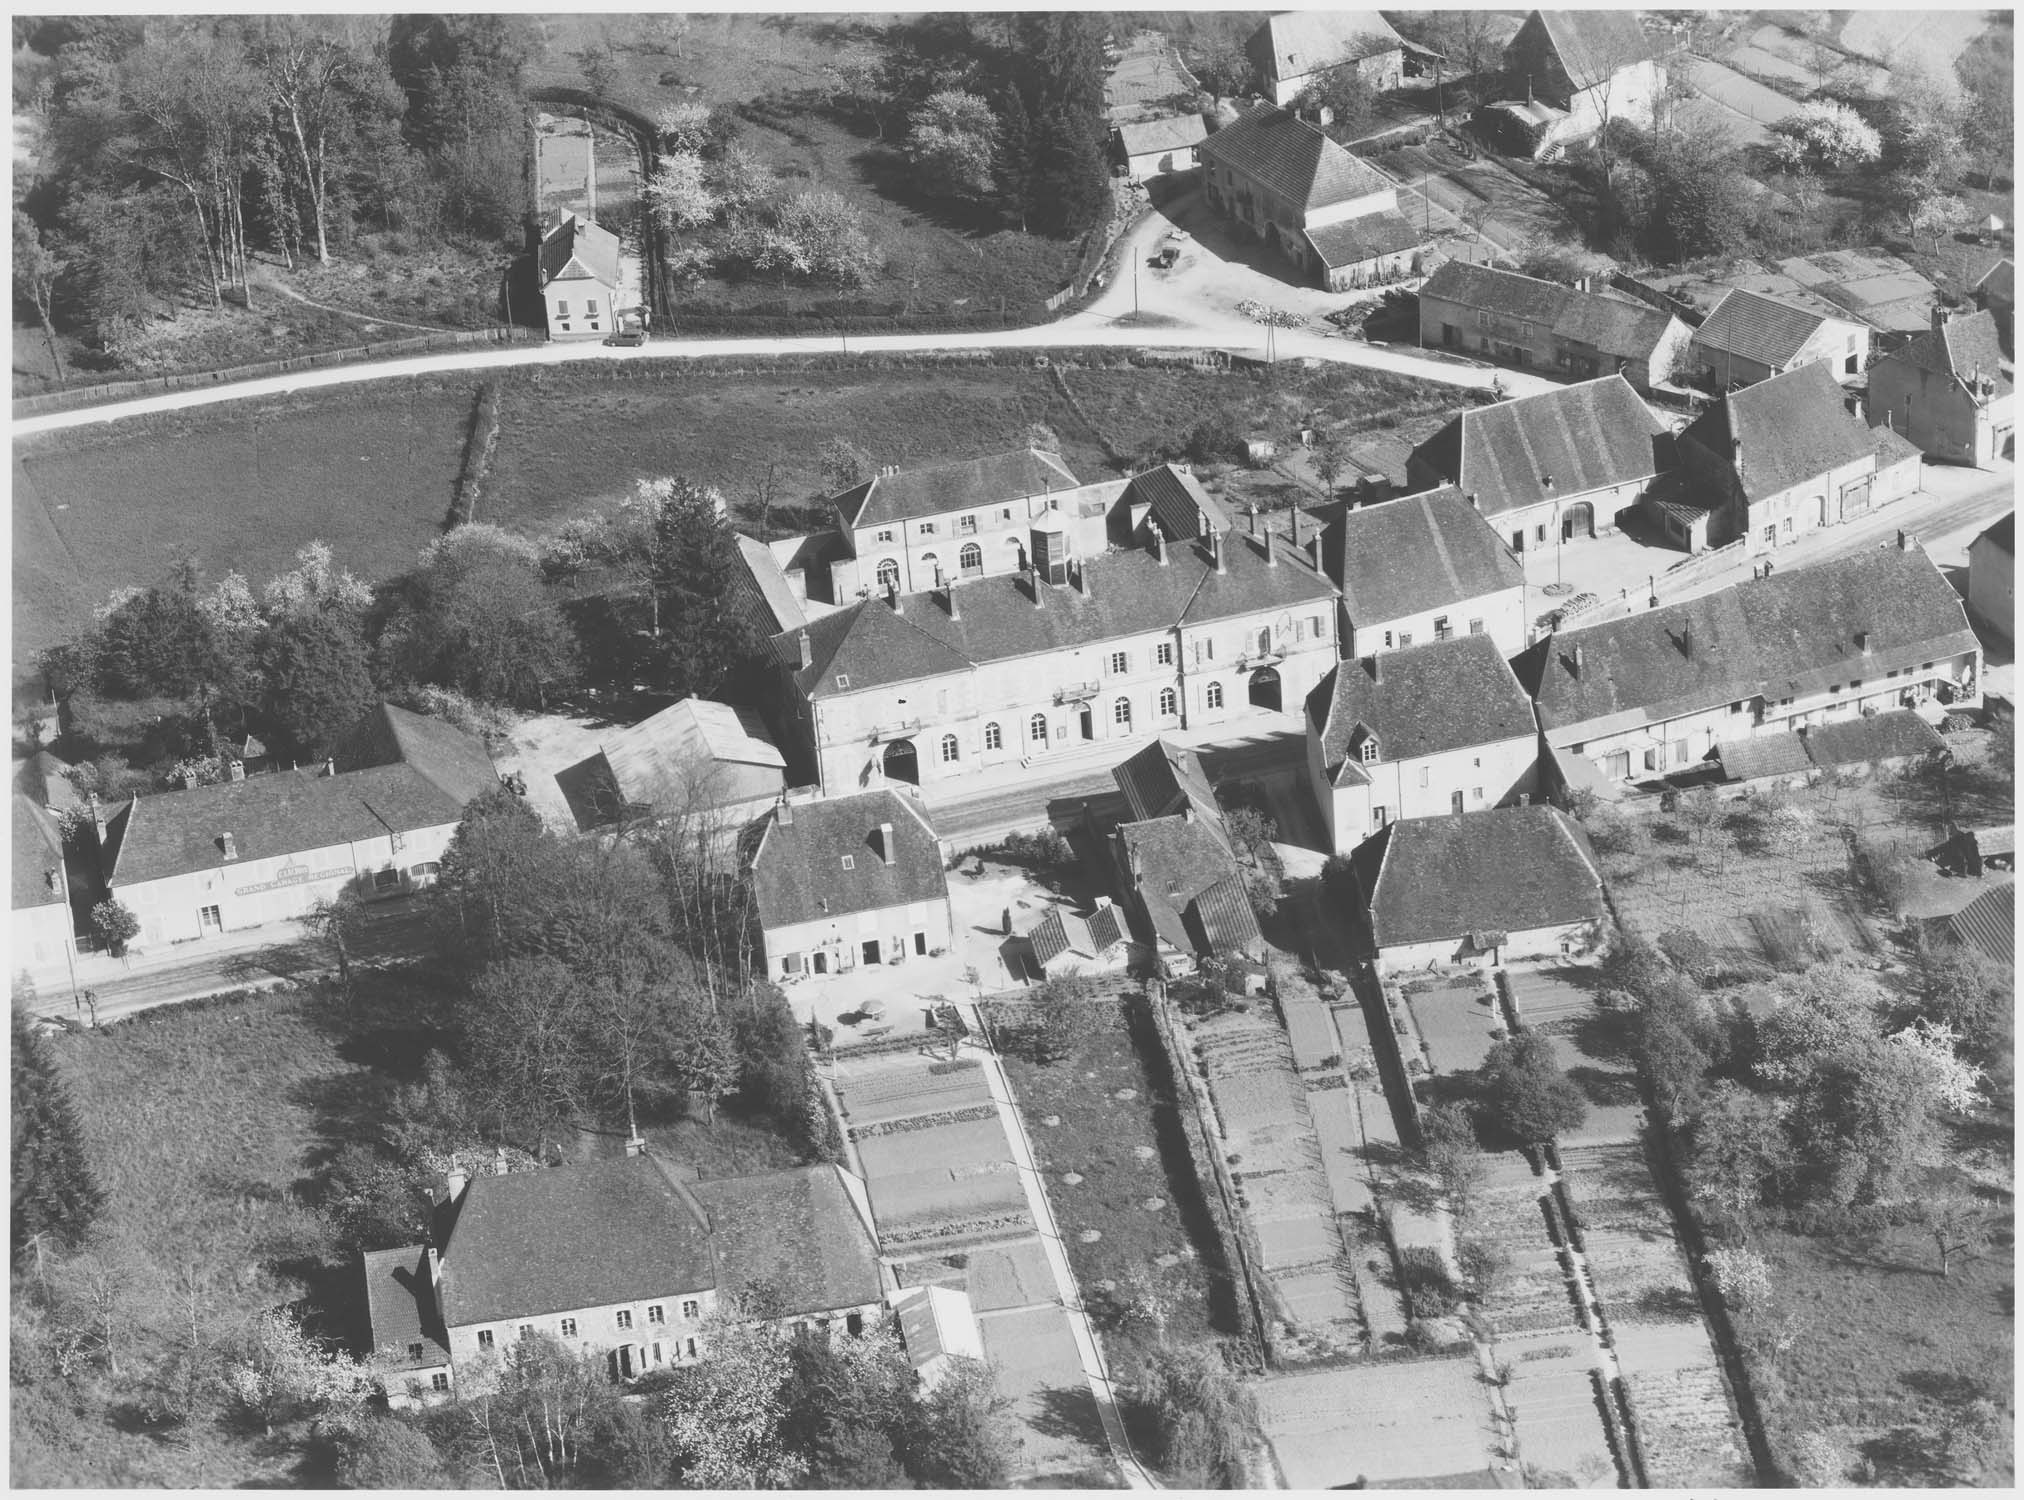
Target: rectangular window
x=1317, y=627
x=885, y=536
x=624, y=1317
x=1770, y=533
x=385, y=880
x=1377, y=818
x=1425, y=772
x=569, y=1328
x=692, y=1310
x=1475, y=627
x=790, y=963
x=1405, y=639
x=1476, y=792
x=657, y=1314
x=1120, y=663
x=440, y=1381
x=561, y=308
x=927, y=528
x=1164, y=653
x=1387, y=640
x=921, y=943
x=484, y=1338
x=689, y=1348
x=1442, y=630
x=1679, y=752
x=966, y=523
x=526, y=1330
x=590, y=308
x=1855, y=684
x=414, y=1351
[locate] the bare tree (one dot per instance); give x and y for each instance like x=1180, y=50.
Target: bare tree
x=339, y=921
x=1958, y=1224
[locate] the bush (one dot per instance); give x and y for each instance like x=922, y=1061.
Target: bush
x=1045, y=849
x=1429, y=1290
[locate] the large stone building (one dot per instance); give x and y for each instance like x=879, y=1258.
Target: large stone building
x=1296, y=49
x=1542, y=325
x=1423, y=568
x=1949, y=391
x=1568, y=73
x=1655, y=693
x=1751, y=337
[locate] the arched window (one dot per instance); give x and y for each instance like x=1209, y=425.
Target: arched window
x=951, y=750
x=971, y=558
x=888, y=576
x=1169, y=703
x=994, y=738
x=1036, y=729
x=1120, y=712
x=928, y=562
x=1214, y=696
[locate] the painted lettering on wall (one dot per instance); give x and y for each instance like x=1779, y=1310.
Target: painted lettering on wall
x=292, y=874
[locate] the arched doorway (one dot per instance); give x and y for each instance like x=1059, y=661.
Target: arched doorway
x=1265, y=688
x=901, y=763
x=1577, y=520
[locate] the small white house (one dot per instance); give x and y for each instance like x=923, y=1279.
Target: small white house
x=938, y=1326
x=1160, y=148
x=580, y=278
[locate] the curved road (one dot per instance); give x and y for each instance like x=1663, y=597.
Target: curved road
x=1097, y=326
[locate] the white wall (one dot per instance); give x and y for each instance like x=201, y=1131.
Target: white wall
x=898, y=930
x=597, y=1331
x=1487, y=776
x=1537, y=942
x=1386, y=201
x=1992, y=585
x=42, y=945
x=1502, y=614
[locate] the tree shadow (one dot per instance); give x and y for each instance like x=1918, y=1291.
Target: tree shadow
x=1667, y=1304
x=883, y=168
x=1948, y=1387
x=1069, y=1412
x=1602, y=1034
x=1606, y=1089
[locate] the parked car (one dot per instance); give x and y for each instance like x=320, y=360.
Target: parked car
x=630, y=338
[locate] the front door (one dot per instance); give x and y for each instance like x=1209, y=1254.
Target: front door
x=210, y=920
x=871, y=951
x=1454, y=802
x=1088, y=723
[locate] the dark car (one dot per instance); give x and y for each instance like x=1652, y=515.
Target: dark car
x=631, y=338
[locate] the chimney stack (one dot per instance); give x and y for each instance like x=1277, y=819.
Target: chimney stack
x=1216, y=549
x=1160, y=543
x=1906, y=540
x=885, y=844
x=636, y=1146
x=1251, y=516
x=189, y=780
x=1376, y=667
x=1862, y=641
x=895, y=599
x=229, y=845
x=785, y=817
x=1271, y=550
x=1296, y=526
x=807, y=650
x=330, y=765
x=1039, y=588
x=237, y=769
x=97, y=815
x=949, y=598
x=456, y=1180
x=1687, y=640
x=1474, y=503
x=1577, y=658
x=1941, y=317
x=1736, y=456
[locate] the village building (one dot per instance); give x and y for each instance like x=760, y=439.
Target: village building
x=1887, y=741
x=1423, y=568
x=1780, y=458
x=938, y=1326
x=1443, y=728
x=1065, y=940
x=1297, y=49
x=1751, y=337
x=1987, y=924
x=1160, y=148
x=850, y=882
x=1996, y=293
x=43, y=934
x=1542, y=325
x=1478, y=891
x=375, y=819
x=1552, y=468
x=1331, y=214
x=580, y=278
x=1192, y=624
x=694, y=763
x=1177, y=863
x=770, y=599
x=1992, y=576
x=1949, y=391
x=1568, y=73
x=625, y=1258
x=1655, y=693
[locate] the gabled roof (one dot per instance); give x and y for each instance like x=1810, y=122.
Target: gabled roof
x=1871, y=737
x=1580, y=437
x=1781, y=754
x=2000, y=281
x=1964, y=348
x=1616, y=325
x=1220, y=918
x=1593, y=44
x=866, y=645
x=1162, y=779
x=401, y=1308
x=1778, y=637
x=1988, y=924
x=798, y=874
x=579, y=250
x=1178, y=502
x=1422, y=700
x=1365, y=237
x=1753, y=326
x=770, y=600
x=1509, y=293
x=436, y=769
x=678, y=760
x=37, y=849
x=1063, y=933
x=2003, y=534
x=1295, y=43
x=1512, y=869
x=579, y=1236
x=796, y=1233
x=1793, y=427
x=1405, y=556
x=1292, y=159
x=1176, y=859
x=937, y=1324
x=1175, y=133
x=970, y=484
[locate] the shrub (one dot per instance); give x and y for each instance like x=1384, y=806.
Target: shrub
x=115, y=925
x=1429, y=1290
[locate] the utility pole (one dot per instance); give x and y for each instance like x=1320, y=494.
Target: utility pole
x=1134, y=284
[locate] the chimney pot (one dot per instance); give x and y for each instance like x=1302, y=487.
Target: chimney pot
x=896, y=600
x=1216, y=548
x=1271, y=550
x=229, y=845
x=1251, y=517
x=330, y=765
x=807, y=650
x=1862, y=641
x=455, y=1181
x=1474, y=503
x=885, y=844
x=1687, y=640
x=189, y=780
x=785, y=817
x=1296, y=526
x=1160, y=543
x=237, y=768
x=1577, y=658
x=1376, y=667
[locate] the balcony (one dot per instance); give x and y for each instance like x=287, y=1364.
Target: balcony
x=1253, y=659
x=898, y=729
x=1080, y=692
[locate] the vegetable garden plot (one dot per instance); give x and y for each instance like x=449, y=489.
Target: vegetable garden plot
x=1687, y=1435
x=1531, y=1294
x=1458, y=1025
x=899, y=1088
x=1554, y=1389
x=1380, y=1423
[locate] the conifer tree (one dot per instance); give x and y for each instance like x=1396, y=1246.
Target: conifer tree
x=53, y=1192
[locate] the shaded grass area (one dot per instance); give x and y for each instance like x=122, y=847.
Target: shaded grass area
x=1101, y=1137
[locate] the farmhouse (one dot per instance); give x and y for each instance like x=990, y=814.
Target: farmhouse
x=1333, y=215
x=1781, y=458
x=1656, y=692
x=375, y=818
x=1568, y=73
x=1422, y=568
x=579, y=275
x=1512, y=884
x=1751, y=337
x=931, y=687
x=1295, y=49
x=1992, y=576
x=1878, y=741
x=1949, y=391
x=1442, y=728
x=1160, y=148
x=624, y=1258
x=694, y=762
x=1537, y=324
x=849, y=882
x=1549, y=466
x=43, y=942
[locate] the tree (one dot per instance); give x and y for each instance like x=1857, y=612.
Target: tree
x=1061, y=1020
x=1987, y=78
x=159, y=643
x=1927, y=210
x=1869, y=1113
x=1330, y=458
x=316, y=683
x=849, y=1410
x=951, y=141
x=860, y=82
x=684, y=126
x=474, y=616
x=1526, y=1094
x=1059, y=73
x=1449, y=1150
x=115, y=925
x=340, y=922
x=305, y=78
x=1223, y=69
x=679, y=194
x=1743, y=1277
x=724, y=1415
x=523, y=1038
x=1825, y=133
x=1347, y=97
x=385, y=1453
x=53, y=1197
x=820, y=236
x=284, y=1374
x=1205, y=1423
x=1012, y=162
x=743, y=180
x=845, y=465
x=40, y=263
x=1957, y=1223
x=1738, y=1153
x=963, y=1439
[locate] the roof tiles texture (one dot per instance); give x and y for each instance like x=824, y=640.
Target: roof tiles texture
x=38, y=857
x=1756, y=327
x=1299, y=42
x=995, y=479
x=1989, y=924
x=1566, y=442
x=798, y=871
x=795, y=1232
x=1873, y=737
x=579, y=249
x=1593, y=44
x=402, y=1308
x=1176, y=133
x=1423, y=700
x=1793, y=428
x=1413, y=554
x=1292, y=159
x=1514, y=869
x=1365, y=237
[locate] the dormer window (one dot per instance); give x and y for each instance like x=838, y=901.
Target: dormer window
x=850, y=862
x=1367, y=751
x=843, y=679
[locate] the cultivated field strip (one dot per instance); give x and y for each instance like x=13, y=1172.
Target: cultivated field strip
x=901, y=1088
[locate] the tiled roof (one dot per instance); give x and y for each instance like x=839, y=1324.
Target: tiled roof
x=798, y=873
x=1404, y=556
x=1782, y=754
x=1793, y=427
x=1617, y=326
x=1063, y=933
x=679, y=760
x=937, y=1322
x=1593, y=44
x=1295, y=43
x=796, y=1232
x=1512, y=869
x=1753, y=326
x=1582, y=437
x=1175, y=133
x=2003, y=534
x=1177, y=859
x=1962, y=347
x=1178, y=502
x=400, y=1308
x=1792, y=633
x=1127, y=593
x=1999, y=281
x=1872, y=737
x=1161, y=779
x=579, y=1236
x=1505, y=292
x=972, y=484
x=1353, y=241
x=1422, y=700
x=1220, y=918
x=769, y=597
x=38, y=855
x=1292, y=159
x=1106, y=929
x=296, y=812
x=1893, y=448
x=579, y=249
x=1988, y=923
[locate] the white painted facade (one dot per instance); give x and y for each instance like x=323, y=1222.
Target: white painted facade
x=890, y=936
x=1561, y=941
x=984, y=542
x=1501, y=615
x=1475, y=778
x=1992, y=585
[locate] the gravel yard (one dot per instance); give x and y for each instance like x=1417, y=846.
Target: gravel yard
x=1458, y=1019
